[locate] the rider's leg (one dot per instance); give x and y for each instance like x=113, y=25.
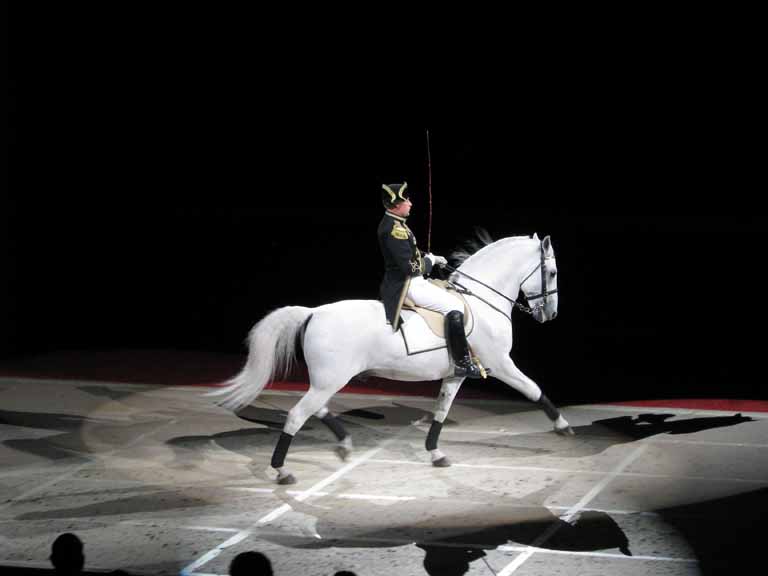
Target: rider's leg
x=429, y=296
x=458, y=346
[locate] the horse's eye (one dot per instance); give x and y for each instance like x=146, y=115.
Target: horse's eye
x=553, y=273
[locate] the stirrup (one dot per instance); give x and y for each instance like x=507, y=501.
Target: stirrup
x=469, y=369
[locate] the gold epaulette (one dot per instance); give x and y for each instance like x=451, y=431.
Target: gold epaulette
x=399, y=232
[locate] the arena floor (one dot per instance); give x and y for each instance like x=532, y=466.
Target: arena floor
x=158, y=480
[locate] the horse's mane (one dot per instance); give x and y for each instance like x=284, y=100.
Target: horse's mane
x=468, y=247
x=474, y=245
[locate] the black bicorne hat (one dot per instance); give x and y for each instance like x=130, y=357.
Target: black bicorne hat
x=393, y=194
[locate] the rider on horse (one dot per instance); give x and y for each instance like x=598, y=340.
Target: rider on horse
x=405, y=272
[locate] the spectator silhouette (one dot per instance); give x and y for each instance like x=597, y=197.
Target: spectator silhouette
x=250, y=564
x=67, y=555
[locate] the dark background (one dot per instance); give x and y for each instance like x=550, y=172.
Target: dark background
x=165, y=192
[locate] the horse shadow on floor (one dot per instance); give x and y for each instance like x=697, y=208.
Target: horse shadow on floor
x=645, y=425
x=452, y=533
x=600, y=435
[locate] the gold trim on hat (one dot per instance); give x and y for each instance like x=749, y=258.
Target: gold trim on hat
x=391, y=194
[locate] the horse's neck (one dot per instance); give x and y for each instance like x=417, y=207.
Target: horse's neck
x=502, y=265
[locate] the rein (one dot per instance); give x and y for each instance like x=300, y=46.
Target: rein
x=468, y=292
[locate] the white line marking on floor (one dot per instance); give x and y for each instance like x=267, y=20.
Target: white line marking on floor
x=209, y=528
x=277, y=512
x=589, y=496
x=344, y=496
x=501, y=432
x=760, y=481
x=705, y=443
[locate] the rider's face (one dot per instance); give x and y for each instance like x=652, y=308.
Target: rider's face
x=403, y=209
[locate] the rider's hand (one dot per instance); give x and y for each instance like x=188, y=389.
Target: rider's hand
x=437, y=260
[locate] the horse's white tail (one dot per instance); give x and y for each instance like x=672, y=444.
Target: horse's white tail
x=271, y=354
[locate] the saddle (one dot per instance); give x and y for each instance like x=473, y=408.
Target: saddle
x=435, y=320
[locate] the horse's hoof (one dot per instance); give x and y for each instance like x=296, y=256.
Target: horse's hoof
x=286, y=479
x=441, y=462
x=567, y=431
x=342, y=452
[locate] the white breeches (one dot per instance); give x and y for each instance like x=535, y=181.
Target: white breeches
x=429, y=296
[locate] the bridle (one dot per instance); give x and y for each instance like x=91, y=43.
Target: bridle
x=543, y=295
x=542, y=265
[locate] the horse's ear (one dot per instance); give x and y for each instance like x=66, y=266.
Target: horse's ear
x=535, y=236
x=547, y=245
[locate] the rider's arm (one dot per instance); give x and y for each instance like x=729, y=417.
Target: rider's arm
x=399, y=246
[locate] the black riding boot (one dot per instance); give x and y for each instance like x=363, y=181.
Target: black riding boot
x=458, y=347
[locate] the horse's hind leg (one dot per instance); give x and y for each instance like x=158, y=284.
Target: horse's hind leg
x=447, y=394
x=344, y=447
x=310, y=403
x=511, y=375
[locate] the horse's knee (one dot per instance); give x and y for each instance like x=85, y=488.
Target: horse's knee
x=310, y=404
x=292, y=426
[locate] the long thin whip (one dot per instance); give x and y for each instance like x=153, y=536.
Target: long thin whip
x=429, y=189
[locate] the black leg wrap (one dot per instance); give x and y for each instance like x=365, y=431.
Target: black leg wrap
x=434, y=434
x=278, y=456
x=549, y=408
x=335, y=426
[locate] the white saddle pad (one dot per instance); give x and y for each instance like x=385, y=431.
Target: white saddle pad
x=418, y=336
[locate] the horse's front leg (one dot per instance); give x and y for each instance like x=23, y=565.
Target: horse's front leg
x=512, y=376
x=447, y=393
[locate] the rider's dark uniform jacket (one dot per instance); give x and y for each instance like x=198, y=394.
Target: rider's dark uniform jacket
x=402, y=261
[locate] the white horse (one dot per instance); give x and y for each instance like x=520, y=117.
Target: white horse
x=345, y=339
